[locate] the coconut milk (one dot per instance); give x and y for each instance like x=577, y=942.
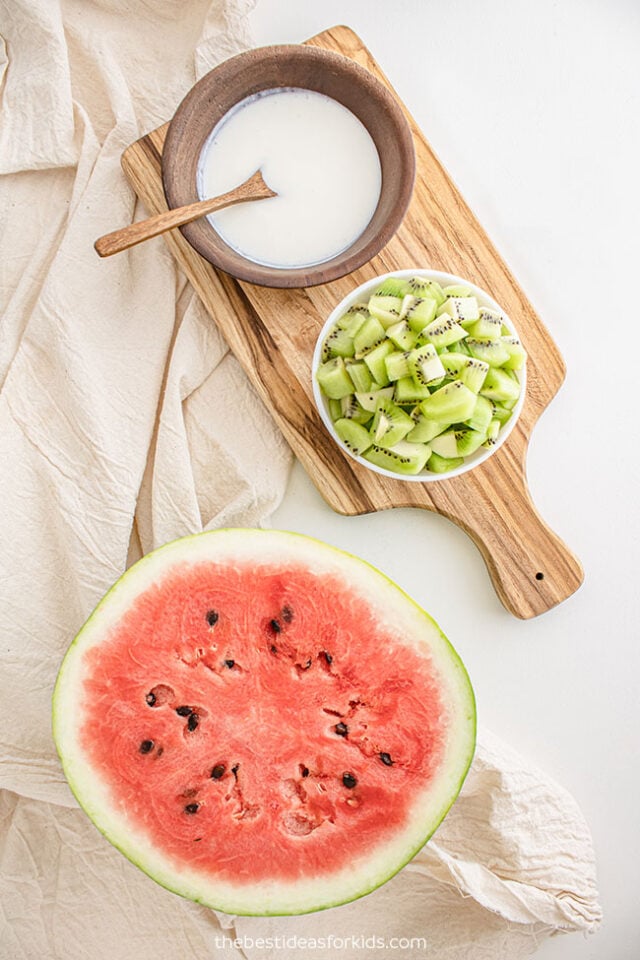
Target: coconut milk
x=316, y=155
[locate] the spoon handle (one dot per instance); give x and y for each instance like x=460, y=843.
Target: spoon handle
x=252, y=189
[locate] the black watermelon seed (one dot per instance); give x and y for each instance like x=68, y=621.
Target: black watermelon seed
x=341, y=729
x=151, y=698
x=386, y=759
x=218, y=771
x=349, y=780
x=192, y=808
x=287, y=614
x=234, y=770
x=146, y=746
x=212, y=617
x=273, y=648
x=184, y=711
x=230, y=663
x=327, y=657
x=193, y=721
x=276, y=626
x=304, y=771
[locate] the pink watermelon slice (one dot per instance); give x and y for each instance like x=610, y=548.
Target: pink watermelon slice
x=263, y=723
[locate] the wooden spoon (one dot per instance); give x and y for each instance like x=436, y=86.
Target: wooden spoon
x=252, y=189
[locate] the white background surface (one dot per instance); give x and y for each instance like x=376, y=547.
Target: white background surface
x=534, y=109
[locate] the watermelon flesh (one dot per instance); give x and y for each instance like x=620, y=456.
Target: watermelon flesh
x=263, y=723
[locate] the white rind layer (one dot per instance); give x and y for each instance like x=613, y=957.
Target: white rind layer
x=400, y=615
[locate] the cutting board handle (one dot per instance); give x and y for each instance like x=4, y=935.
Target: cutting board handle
x=532, y=570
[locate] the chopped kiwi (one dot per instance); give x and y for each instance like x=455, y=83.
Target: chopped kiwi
x=360, y=375
x=338, y=344
x=374, y=359
x=492, y=352
x=420, y=376
x=369, y=401
x=418, y=311
x=421, y=287
x=369, y=335
x=425, y=366
x=456, y=290
x=498, y=385
x=386, y=309
x=334, y=380
x=437, y=464
x=482, y=415
x=402, y=335
x=350, y=409
x=516, y=351
x=443, y=331
x=407, y=390
x=453, y=403
x=397, y=364
x=354, y=436
x=460, y=308
x=404, y=457
x=390, y=424
x=390, y=287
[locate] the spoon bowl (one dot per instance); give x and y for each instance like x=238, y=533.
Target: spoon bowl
x=290, y=66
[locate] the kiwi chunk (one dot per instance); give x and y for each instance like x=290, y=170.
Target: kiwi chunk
x=498, y=385
x=369, y=401
x=492, y=352
x=443, y=331
x=452, y=403
x=390, y=424
x=460, y=308
x=374, y=359
x=370, y=334
x=404, y=457
x=437, y=464
x=334, y=380
x=360, y=376
x=386, y=309
x=354, y=436
x=402, y=335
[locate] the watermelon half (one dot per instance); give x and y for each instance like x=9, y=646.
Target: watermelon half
x=263, y=723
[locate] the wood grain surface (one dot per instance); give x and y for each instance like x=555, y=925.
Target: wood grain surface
x=273, y=332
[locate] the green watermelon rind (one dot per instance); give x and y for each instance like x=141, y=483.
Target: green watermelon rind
x=131, y=850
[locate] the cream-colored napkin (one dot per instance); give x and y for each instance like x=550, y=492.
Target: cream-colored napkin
x=125, y=422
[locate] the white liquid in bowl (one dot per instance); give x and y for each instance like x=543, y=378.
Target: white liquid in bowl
x=317, y=156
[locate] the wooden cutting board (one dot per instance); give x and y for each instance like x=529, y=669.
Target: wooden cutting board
x=273, y=332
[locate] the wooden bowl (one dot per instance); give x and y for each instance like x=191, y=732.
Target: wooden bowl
x=311, y=68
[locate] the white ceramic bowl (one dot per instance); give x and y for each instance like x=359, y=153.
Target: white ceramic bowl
x=362, y=293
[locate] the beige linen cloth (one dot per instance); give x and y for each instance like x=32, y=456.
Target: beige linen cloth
x=125, y=422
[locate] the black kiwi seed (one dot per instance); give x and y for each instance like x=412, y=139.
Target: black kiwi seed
x=193, y=721
x=192, y=808
x=341, y=729
x=146, y=746
x=230, y=663
x=151, y=698
x=276, y=626
x=349, y=780
x=218, y=771
x=386, y=759
x=184, y=711
x=212, y=617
